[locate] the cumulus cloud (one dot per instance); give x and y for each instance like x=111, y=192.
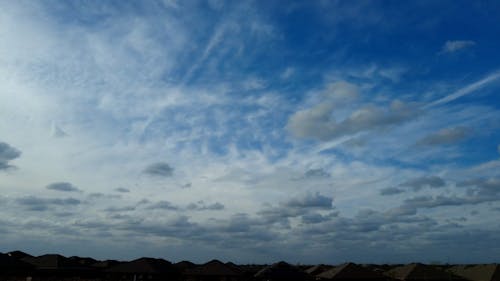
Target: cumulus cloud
x=445, y=136
x=122, y=190
x=297, y=207
x=163, y=205
x=391, y=191
x=478, y=191
x=310, y=201
x=426, y=181
x=415, y=184
x=201, y=206
x=99, y=195
x=7, y=154
x=456, y=45
x=160, y=169
x=319, y=122
x=316, y=173
x=33, y=203
x=62, y=186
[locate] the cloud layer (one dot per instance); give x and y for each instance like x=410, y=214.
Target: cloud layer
x=178, y=127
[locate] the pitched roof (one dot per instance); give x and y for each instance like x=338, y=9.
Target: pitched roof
x=480, y=272
x=318, y=269
x=145, y=265
x=214, y=268
x=8, y=263
x=350, y=271
x=19, y=254
x=84, y=260
x=418, y=271
x=184, y=265
x=280, y=271
x=54, y=261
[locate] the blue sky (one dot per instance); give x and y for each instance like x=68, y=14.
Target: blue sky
x=255, y=131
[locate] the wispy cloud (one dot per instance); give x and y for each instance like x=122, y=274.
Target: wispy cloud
x=467, y=90
x=456, y=45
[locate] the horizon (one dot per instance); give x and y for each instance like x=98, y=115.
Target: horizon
x=310, y=132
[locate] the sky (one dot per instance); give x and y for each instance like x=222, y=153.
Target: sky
x=251, y=131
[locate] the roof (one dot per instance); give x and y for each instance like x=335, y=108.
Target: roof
x=317, y=269
x=83, y=261
x=418, y=271
x=19, y=254
x=184, y=265
x=214, y=268
x=12, y=264
x=54, y=261
x=145, y=265
x=480, y=272
x=282, y=270
x=350, y=271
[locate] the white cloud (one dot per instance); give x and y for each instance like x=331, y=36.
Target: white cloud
x=456, y=45
x=467, y=90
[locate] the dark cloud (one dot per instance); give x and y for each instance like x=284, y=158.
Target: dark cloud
x=57, y=132
x=427, y=181
x=120, y=209
x=445, y=136
x=62, y=186
x=310, y=201
x=316, y=173
x=317, y=217
x=415, y=184
x=201, y=206
x=164, y=205
x=159, y=169
x=319, y=123
x=295, y=207
x=482, y=187
x=122, y=190
x=391, y=191
x=99, y=195
x=33, y=203
x=7, y=154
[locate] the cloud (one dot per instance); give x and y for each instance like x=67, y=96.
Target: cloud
x=310, y=201
x=426, y=181
x=287, y=73
x=62, y=186
x=318, y=122
x=456, y=45
x=445, y=136
x=416, y=184
x=316, y=173
x=99, y=195
x=7, y=154
x=201, y=206
x=469, y=89
x=391, y=191
x=296, y=207
x=57, y=132
x=479, y=191
x=482, y=187
x=33, y=203
x=160, y=169
x=120, y=209
x=122, y=190
x=163, y=205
